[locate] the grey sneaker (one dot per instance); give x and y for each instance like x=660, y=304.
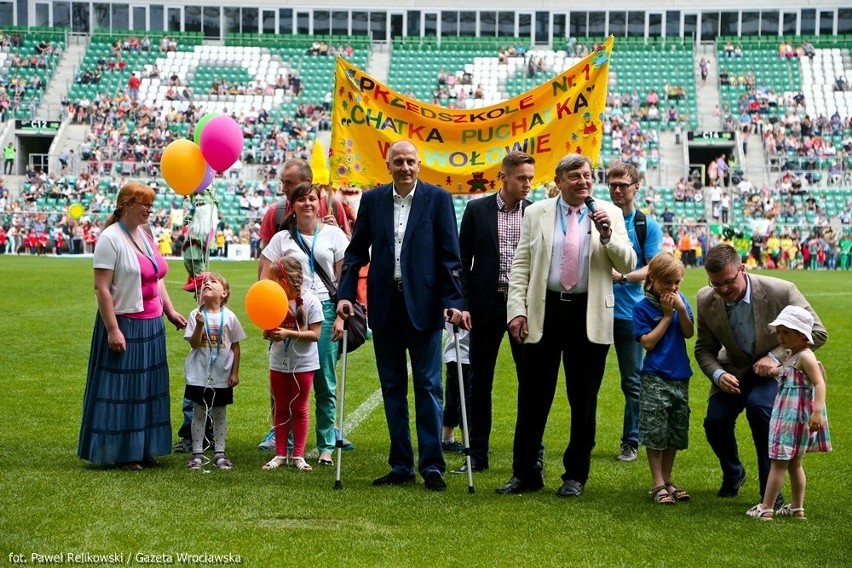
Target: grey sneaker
x=183, y=446
x=628, y=453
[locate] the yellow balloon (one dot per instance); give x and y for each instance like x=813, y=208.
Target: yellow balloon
x=319, y=165
x=183, y=166
x=76, y=211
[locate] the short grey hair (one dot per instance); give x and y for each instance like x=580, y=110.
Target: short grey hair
x=571, y=162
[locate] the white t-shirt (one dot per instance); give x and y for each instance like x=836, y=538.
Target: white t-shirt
x=331, y=243
x=296, y=356
x=450, y=345
x=222, y=330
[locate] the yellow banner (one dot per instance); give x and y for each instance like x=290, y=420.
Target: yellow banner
x=462, y=149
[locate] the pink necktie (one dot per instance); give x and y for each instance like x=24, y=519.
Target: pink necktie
x=571, y=251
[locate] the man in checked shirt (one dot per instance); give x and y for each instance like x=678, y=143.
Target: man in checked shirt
x=489, y=234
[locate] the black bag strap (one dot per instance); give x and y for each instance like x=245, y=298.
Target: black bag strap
x=641, y=227
x=332, y=289
x=280, y=212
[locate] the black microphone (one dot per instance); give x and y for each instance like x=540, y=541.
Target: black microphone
x=590, y=203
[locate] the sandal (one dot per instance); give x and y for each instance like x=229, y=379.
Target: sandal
x=194, y=463
x=676, y=492
x=149, y=462
x=220, y=461
x=131, y=466
x=759, y=512
x=661, y=496
x=325, y=461
x=300, y=464
x=276, y=462
x=790, y=511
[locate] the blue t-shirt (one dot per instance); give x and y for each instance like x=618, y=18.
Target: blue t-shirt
x=668, y=360
x=626, y=295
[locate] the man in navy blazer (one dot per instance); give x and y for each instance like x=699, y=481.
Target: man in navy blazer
x=406, y=230
x=489, y=234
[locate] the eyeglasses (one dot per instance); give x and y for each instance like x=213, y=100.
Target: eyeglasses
x=621, y=186
x=725, y=283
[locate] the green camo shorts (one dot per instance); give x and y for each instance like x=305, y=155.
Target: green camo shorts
x=663, y=413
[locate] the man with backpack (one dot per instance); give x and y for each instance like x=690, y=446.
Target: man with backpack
x=647, y=239
x=294, y=172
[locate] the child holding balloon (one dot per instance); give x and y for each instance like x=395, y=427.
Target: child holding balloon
x=212, y=367
x=293, y=359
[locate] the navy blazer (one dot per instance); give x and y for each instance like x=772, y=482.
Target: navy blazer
x=430, y=260
x=480, y=253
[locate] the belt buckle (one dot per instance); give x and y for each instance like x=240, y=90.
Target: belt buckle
x=566, y=297
x=398, y=284
x=503, y=294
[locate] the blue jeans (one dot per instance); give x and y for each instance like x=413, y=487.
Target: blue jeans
x=630, y=356
x=391, y=343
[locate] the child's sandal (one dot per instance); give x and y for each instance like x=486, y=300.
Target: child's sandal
x=676, y=492
x=661, y=496
x=300, y=464
x=222, y=462
x=759, y=512
x=195, y=463
x=793, y=512
x=275, y=462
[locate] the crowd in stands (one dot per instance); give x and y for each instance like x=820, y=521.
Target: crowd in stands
x=28, y=73
x=127, y=136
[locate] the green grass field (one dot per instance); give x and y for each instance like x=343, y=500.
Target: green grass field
x=53, y=503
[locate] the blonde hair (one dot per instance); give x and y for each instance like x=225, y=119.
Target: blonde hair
x=132, y=192
x=221, y=279
x=289, y=269
x=664, y=266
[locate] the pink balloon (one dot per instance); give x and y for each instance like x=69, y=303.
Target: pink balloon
x=209, y=175
x=221, y=142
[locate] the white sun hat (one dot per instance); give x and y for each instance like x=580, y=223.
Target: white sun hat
x=794, y=317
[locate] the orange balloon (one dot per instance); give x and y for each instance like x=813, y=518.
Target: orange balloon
x=266, y=304
x=183, y=166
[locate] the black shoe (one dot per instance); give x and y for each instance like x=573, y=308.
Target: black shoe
x=517, y=485
x=434, y=481
x=732, y=488
x=570, y=488
x=452, y=447
x=394, y=478
x=779, y=502
x=474, y=466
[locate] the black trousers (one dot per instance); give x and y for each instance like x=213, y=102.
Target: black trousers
x=564, y=340
x=486, y=337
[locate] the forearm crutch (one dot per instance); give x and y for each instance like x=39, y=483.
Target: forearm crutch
x=465, y=432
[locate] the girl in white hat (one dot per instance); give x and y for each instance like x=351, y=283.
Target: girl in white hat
x=799, y=422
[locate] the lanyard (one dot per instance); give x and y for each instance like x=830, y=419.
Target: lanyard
x=215, y=356
x=563, y=225
x=311, y=256
x=149, y=254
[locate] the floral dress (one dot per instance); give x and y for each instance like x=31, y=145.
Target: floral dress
x=789, y=434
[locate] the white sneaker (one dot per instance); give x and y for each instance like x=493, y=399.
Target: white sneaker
x=268, y=442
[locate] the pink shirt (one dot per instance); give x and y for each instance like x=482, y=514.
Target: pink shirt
x=152, y=306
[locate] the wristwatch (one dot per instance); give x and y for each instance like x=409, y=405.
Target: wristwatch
x=623, y=280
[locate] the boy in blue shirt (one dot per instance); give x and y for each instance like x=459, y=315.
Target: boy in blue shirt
x=662, y=322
